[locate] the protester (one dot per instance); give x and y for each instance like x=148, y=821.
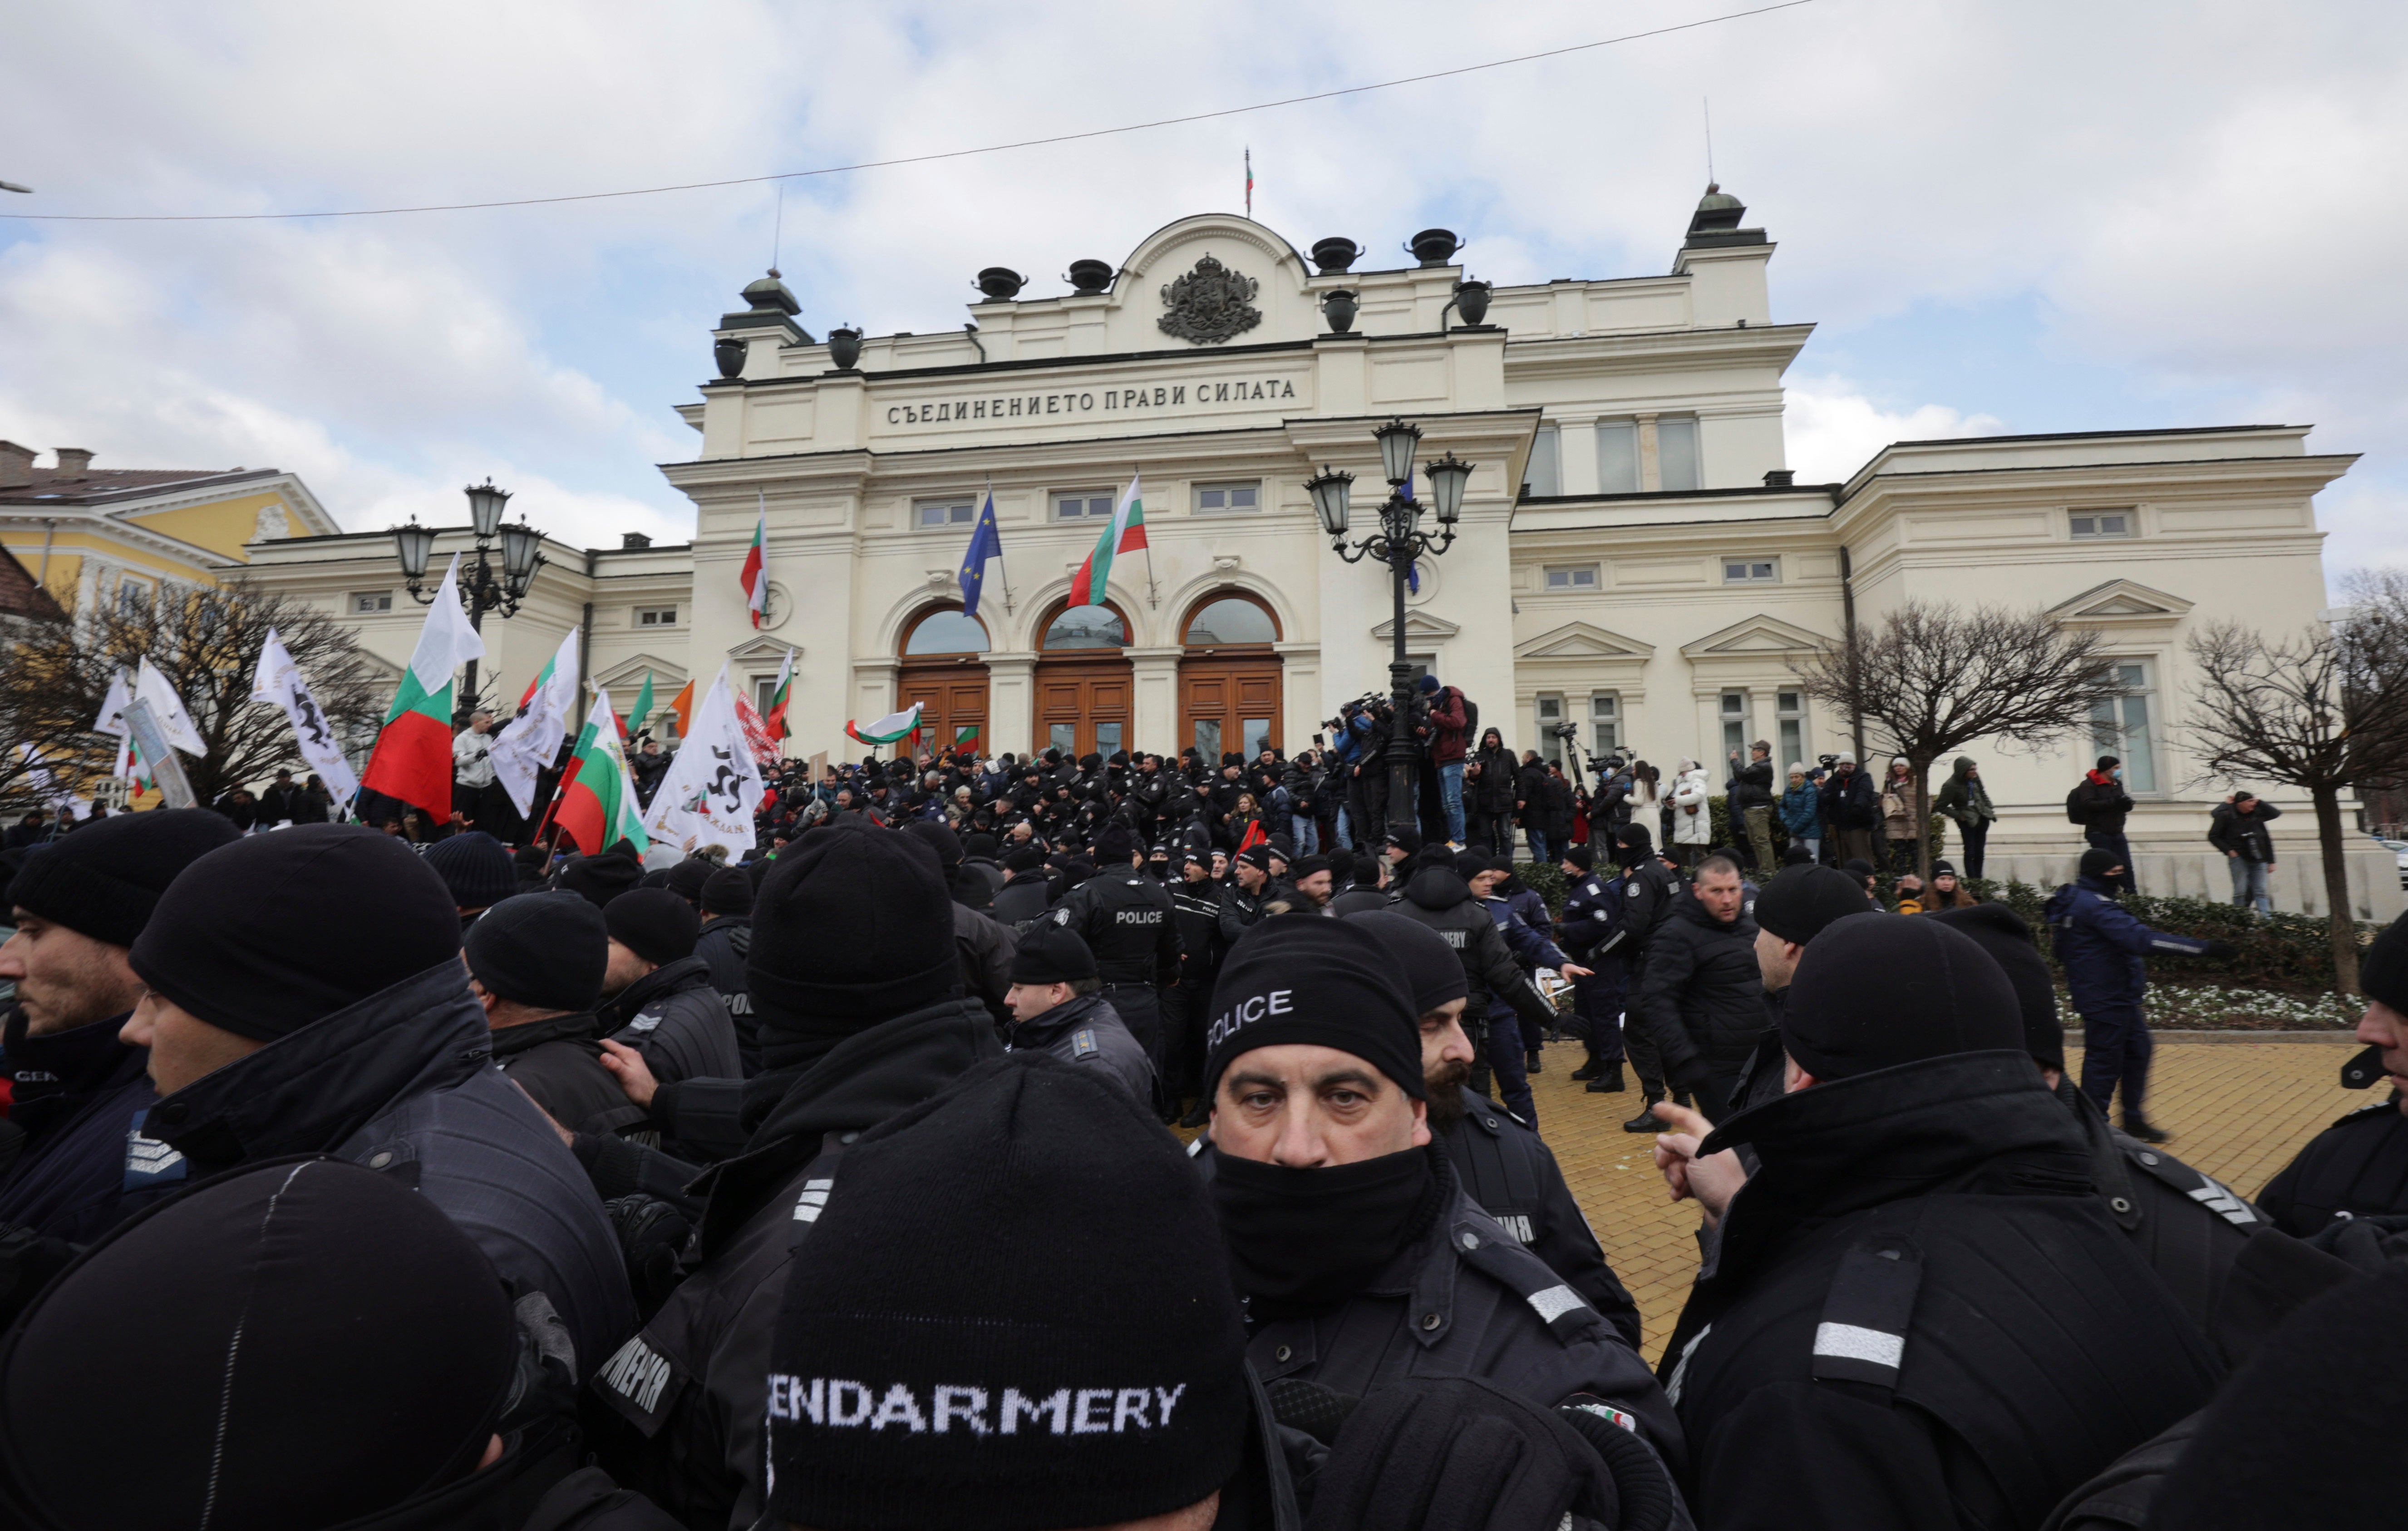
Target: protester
x=1964, y=802
x=2237, y=827
x=1898, y=815
x=1852, y=808
x=1749, y=794
x=1701, y=999
x=2100, y=804
x=1801, y=812
x=476, y=867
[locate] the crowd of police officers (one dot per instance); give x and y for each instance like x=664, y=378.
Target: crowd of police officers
x=348, y=1183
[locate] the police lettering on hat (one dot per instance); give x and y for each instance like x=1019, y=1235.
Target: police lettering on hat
x=1318, y=982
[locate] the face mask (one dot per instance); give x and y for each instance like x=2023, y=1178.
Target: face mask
x=1303, y=1238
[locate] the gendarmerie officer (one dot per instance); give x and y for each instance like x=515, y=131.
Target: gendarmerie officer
x=1649, y=891
x=1362, y=1260
x=1917, y=1313
x=1057, y=1007
x=1593, y=910
x=726, y=935
x=2359, y=1166
x=1126, y=921
x=1436, y=897
x=659, y=998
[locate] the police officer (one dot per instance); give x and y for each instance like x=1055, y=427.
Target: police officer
x=1510, y=1048
x=1057, y=1007
x=726, y=935
x=1196, y=910
x=1243, y=895
x=1919, y=1271
x=1438, y=897
x=1649, y=889
x=2359, y=1166
x=2100, y=946
x=659, y=997
x=1362, y=1259
x=1125, y=918
x=536, y=964
x=985, y=943
x=1702, y=997
x=1593, y=910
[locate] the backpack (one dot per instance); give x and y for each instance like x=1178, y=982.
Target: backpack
x=2076, y=811
x=1470, y=720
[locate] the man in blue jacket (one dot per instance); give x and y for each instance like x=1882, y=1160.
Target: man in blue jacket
x=1593, y=910
x=2100, y=946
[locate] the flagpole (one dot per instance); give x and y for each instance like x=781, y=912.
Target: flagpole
x=998, y=552
x=1152, y=596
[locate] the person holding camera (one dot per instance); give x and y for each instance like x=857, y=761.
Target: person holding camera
x=1488, y=786
x=1750, y=791
x=1852, y=807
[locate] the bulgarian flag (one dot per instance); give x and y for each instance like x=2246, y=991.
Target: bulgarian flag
x=774, y=720
x=756, y=565
x=967, y=734
x=890, y=729
x=635, y=720
x=1124, y=535
x=597, y=803
x=1255, y=835
x=412, y=760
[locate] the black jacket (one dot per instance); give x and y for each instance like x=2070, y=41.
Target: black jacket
x=1918, y=1314
x=724, y=942
x=1196, y=910
x=80, y=1098
x=987, y=949
x=1513, y=1176
x=559, y=1064
x=1359, y=900
x=1751, y=787
x=1701, y=995
x=2246, y=836
x=405, y=1078
x=675, y=1017
x=678, y=1410
x=1088, y=1031
x=1239, y=911
x=2356, y=1168
x=1493, y=793
x=1023, y=899
x=1437, y=898
x=1128, y=921
x=1852, y=802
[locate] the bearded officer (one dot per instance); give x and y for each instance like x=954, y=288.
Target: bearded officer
x=1362, y=1259
x=1057, y=1007
x=1126, y=921
x=2359, y=1166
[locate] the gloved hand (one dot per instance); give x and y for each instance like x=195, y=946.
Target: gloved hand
x=1457, y=1455
x=653, y=1236
x=2223, y=951
x=1693, y=1076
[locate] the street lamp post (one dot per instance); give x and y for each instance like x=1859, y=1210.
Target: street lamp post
x=1399, y=541
x=482, y=588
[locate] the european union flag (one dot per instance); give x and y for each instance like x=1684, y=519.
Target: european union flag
x=985, y=544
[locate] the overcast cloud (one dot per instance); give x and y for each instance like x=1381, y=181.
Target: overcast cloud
x=2004, y=217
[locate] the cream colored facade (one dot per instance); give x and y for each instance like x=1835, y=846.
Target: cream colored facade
x=1631, y=555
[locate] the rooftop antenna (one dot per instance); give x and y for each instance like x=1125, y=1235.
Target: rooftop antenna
x=1709, y=102
x=778, y=229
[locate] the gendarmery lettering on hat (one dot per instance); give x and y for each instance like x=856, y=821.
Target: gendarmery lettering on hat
x=836, y=1403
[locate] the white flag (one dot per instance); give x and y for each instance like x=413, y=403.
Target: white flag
x=46, y=784
x=168, y=708
x=713, y=786
x=279, y=680
x=113, y=708
x=531, y=742
x=447, y=641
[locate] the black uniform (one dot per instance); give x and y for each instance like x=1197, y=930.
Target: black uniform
x=1515, y=1178
x=1088, y=1031
x=1649, y=891
x=1918, y=1313
x=559, y=1064
x=987, y=950
x=1702, y=999
x=2356, y=1167
x=723, y=945
x=1024, y=899
x=1239, y=910
x=1128, y=921
x=1196, y=912
x=1438, y=899
x=675, y=1017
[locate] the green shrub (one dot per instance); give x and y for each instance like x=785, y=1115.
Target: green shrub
x=2287, y=953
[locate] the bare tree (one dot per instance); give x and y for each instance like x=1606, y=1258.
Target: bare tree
x=205, y=642
x=1931, y=679
x=2324, y=710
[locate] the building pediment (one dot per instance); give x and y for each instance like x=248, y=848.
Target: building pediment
x=1420, y=628
x=628, y=674
x=2121, y=602
x=1582, y=641
x=755, y=650
x=1756, y=636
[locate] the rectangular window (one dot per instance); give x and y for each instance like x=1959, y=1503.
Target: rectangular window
x=1108, y=739
x=1550, y=713
x=366, y=602
x=2121, y=727
x=1080, y=507
x=927, y=515
x=1604, y=724
x=1565, y=579
x=1791, y=706
x=656, y=616
x=1063, y=736
x=2100, y=526
x=1676, y=457
x=133, y=597
x=1220, y=499
x=1546, y=475
x=1208, y=739
x=763, y=687
x=1751, y=572
x=1617, y=457
x=1736, y=727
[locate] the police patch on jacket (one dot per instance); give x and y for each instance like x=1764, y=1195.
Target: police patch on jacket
x=148, y=1160
x=640, y=1383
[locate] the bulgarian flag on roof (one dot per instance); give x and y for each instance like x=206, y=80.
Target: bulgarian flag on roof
x=597, y=803
x=412, y=761
x=1125, y=534
x=890, y=729
x=756, y=564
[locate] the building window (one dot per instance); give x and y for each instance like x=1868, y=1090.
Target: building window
x=2100, y=526
x=1676, y=457
x=1217, y=498
x=1230, y=621
x=368, y=603
x=1751, y=572
x=1546, y=475
x=1617, y=457
x=1079, y=507
x=1604, y=724
x=948, y=512
x=1791, y=706
x=1564, y=579
x=946, y=630
x=1737, y=724
x=2121, y=727
x=1086, y=626
x=1550, y=713
x=133, y=597
x=764, y=688
x=656, y=616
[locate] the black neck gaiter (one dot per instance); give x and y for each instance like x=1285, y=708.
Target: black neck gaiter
x=1301, y=1240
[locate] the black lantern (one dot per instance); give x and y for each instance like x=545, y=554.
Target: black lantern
x=482, y=588
x=415, y=544
x=1331, y=491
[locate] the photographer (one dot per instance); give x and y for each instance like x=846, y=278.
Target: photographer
x=1449, y=721
x=1750, y=791
x=1488, y=785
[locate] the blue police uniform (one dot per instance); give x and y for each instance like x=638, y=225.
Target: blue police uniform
x=2101, y=949
x=1593, y=911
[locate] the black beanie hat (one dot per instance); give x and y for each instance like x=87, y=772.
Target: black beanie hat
x=1114, y=845
x=476, y=867
x=1798, y=904
x=547, y=950
x=1305, y=866
x=1014, y=1314
x=1366, y=870
x=1258, y=856
x=276, y=1323
x=1876, y=990
x=2382, y=977
x=655, y=924
x=601, y=878
x=728, y=891
x=938, y=838
x=852, y=927
x=1328, y=982
x=1633, y=836
x=1027, y=859
x=276, y=930
x=1407, y=841
x=2098, y=863
x=1797, y=855
x=1469, y=864
x=1050, y=954
x=2000, y=931
x=1579, y=855
x=979, y=844
x=104, y=880
x=688, y=877
x=1430, y=970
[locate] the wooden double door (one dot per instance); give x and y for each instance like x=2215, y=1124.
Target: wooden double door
x=1083, y=706
x=953, y=697
x=1229, y=703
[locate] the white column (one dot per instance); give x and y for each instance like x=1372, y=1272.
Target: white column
x=1154, y=708
x=1010, y=702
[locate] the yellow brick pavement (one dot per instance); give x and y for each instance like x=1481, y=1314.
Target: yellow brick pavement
x=2238, y=1110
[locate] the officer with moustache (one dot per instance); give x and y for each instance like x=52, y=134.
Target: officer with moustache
x=1127, y=919
x=2359, y=1166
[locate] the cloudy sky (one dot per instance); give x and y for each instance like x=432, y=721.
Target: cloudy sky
x=2004, y=215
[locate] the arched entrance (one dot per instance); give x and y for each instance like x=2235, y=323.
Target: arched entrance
x=1083, y=681
x=943, y=670
x=1230, y=677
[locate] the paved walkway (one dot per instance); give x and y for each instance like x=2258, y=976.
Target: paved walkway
x=2238, y=1110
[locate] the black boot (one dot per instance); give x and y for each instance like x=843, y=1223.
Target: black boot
x=1645, y=1122
x=1588, y=1071
x=1608, y=1080
x=2139, y=1127
x=1680, y=1099
x=1197, y=1118
x=1532, y=1063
